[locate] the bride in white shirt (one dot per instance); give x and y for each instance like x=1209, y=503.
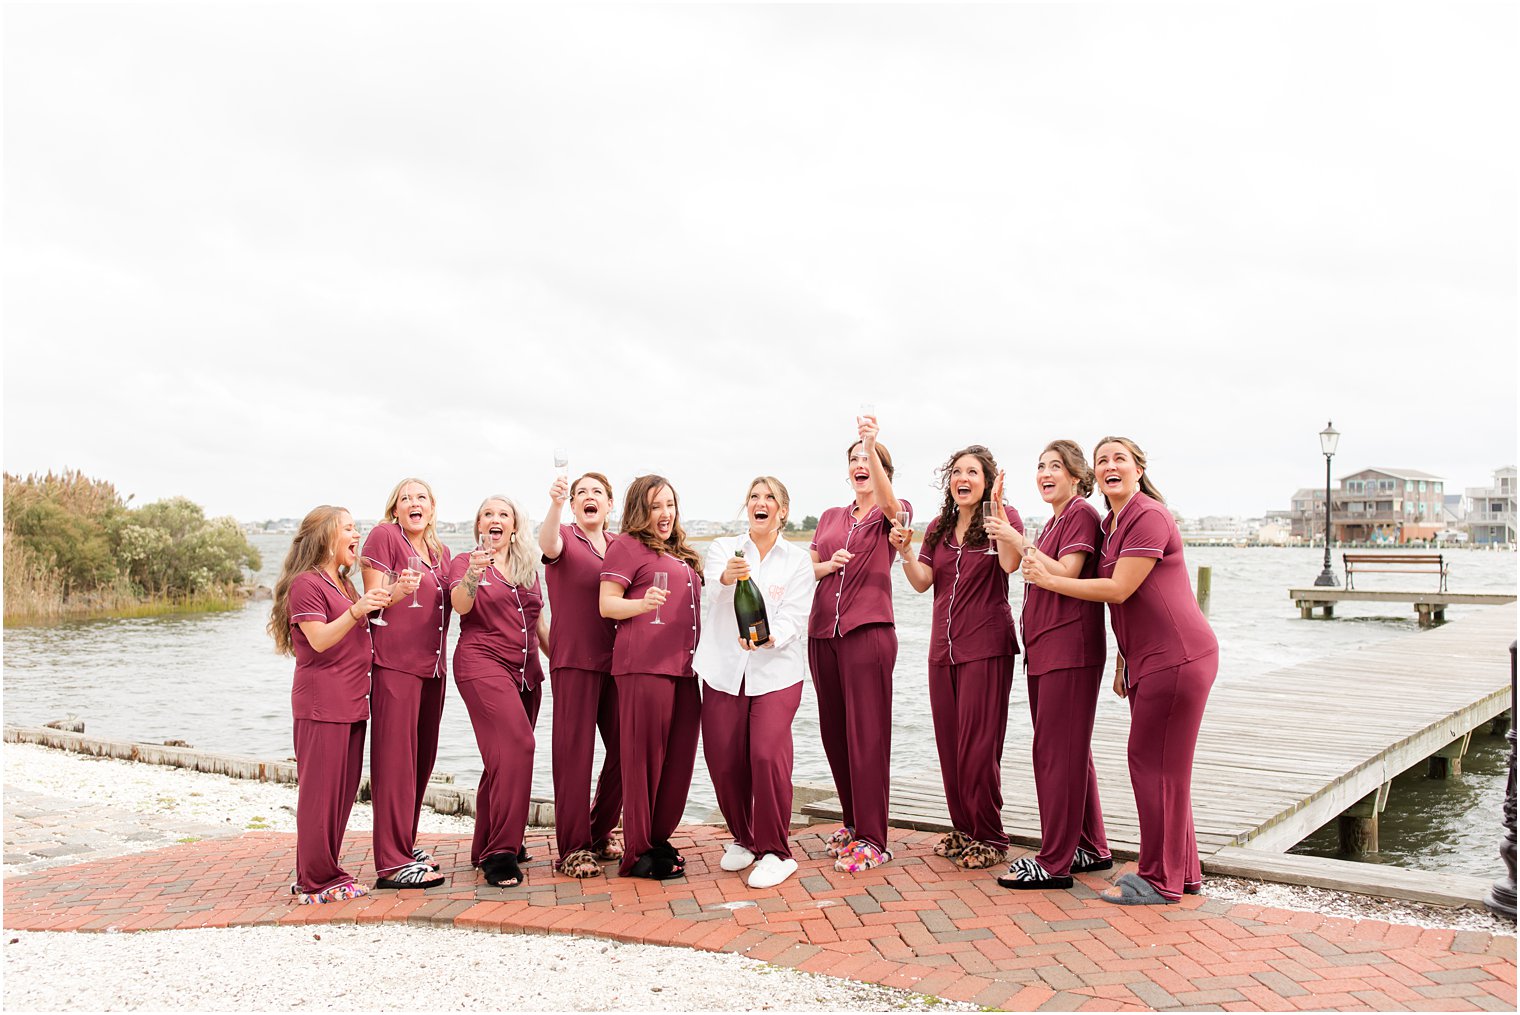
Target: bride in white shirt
x=752, y=693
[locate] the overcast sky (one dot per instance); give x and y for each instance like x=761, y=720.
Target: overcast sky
x=274, y=255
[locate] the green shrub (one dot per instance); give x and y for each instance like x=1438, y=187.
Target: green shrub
x=72, y=545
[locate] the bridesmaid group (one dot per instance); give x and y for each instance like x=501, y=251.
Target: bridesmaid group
x=641, y=659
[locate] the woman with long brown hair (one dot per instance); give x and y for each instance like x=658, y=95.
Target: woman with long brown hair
x=971, y=652
x=1168, y=658
x=1063, y=660
x=320, y=619
x=406, y=695
x=580, y=672
x=852, y=648
x=652, y=586
x=495, y=591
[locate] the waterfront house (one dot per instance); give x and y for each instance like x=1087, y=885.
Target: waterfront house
x=1490, y=517
x=1377, y=505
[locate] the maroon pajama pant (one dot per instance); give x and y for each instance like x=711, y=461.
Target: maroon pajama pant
x=585, y=704
x=404, y=714
x=748, y=745
x=504, y=733
x=659, y=719
x=1062, y=704
x=1166, y=709
x=852, y=676
x=969, y=702
x=329, y=762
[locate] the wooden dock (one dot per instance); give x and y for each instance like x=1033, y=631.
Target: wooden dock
x=1431, y=606
x=1283, y=753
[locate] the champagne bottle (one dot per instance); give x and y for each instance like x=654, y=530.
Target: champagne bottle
x=749, y=608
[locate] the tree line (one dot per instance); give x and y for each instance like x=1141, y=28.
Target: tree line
x=74, y=547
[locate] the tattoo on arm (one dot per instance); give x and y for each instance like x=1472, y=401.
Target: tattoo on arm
x=470, y=582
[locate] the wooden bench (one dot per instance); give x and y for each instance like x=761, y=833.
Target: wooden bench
x=1400, y=563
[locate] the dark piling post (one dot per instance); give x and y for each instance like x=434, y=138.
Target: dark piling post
x=1501, y=897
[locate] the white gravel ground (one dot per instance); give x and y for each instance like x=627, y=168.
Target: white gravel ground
x=394, y=968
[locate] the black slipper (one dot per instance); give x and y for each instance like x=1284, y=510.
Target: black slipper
x=668, y=851
x=502, y=869
x=522, y=853
x=656, y=867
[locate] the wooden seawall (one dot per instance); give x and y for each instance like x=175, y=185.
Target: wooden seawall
x=1285, y=752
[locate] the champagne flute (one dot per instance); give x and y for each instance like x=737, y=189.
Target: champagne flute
x=419, y=565
x=483, y=542
x=865, y=409
x=990, y=510
x=661, y=582
x=903, y=518
x=562, y=462
x=390, y=580
x=1029, y=548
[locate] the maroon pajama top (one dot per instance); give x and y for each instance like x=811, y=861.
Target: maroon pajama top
x=330, y=686
x=859, y=593
x=971, y=654
x=659, y=700
x=852, y=650
x=500, y=633
x=642, y=646
x=1062, y=633
x=579, y=636
x=411, y=647
x=1160, y=626
x=972, y=618
x=412, y=641
x=585, y=696
x=1171, y=658
x=329, y=701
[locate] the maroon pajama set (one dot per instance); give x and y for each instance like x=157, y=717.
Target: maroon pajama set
x=1063, y=654
x=659, y=702
x=406, y=697
x=971, y=659
x=852, y=649
x=329, y=702
x=585, y=697
x=1170, y=658
x=498, y=674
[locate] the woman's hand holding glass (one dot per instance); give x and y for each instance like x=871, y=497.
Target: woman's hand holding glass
x=901, y=538
x=1034, y=570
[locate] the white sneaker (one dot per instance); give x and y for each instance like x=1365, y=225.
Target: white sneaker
x=771, y=871
x=736, y=857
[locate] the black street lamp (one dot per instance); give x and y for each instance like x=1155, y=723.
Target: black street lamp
x=1328, y=438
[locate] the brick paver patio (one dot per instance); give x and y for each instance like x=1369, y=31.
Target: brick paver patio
x=918, y=923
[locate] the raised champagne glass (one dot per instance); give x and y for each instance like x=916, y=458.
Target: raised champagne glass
x=420, y=566
x=661, y=582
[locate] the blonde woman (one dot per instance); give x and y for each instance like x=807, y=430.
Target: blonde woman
x=495, y=590
x=752, y=692
x=406, y=695
x=319, y=618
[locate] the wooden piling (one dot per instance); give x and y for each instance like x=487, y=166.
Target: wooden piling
x=1205, y=587
x=1447, y=761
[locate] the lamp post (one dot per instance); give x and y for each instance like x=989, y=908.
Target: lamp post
x=1328, y=438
